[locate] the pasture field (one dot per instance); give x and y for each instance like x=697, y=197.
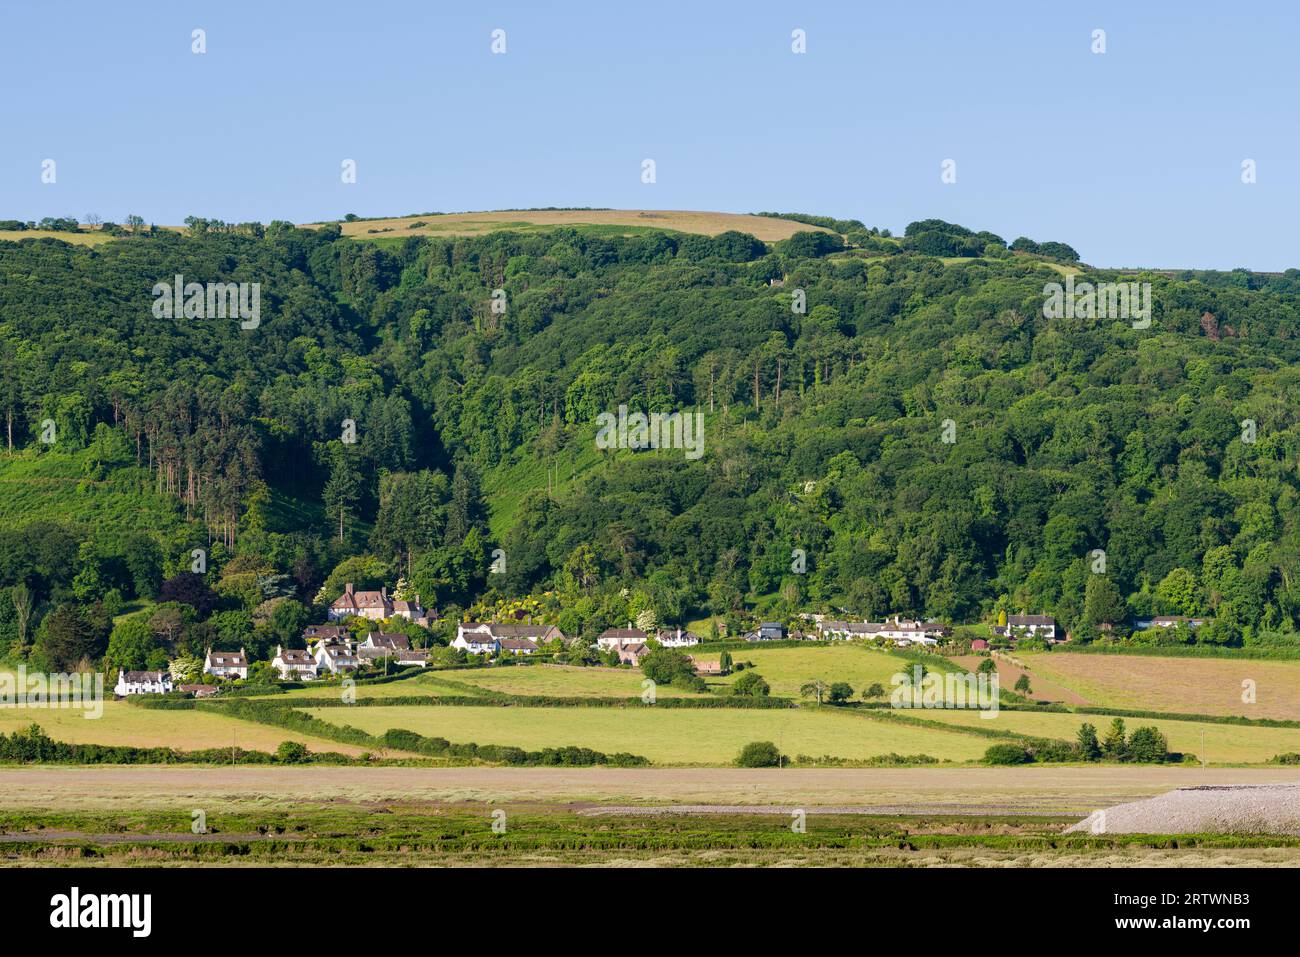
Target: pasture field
x=562, y=681
x=1183, y=685
x=704, y=736
x=787, y=669
x=125, y=724
x=1224, y=743
x=421, y=684
x=765, y=228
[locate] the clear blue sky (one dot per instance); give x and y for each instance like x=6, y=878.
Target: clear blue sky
x=1133, y=157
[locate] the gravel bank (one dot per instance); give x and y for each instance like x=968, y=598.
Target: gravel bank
x=1238, y=809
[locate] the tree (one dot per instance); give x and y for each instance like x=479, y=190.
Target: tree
x=343, y=490
x=724, y=662
x=1089, y=749
x=876, y=690
x=1103, y=603
x=144, y=561
x=133, y=647
x=666, y=665
x=750, y=685
x=759, y=754
x=67, y=636
x=466, y=510
x=1148, y=745
x=21, y=597
x=1022, y=685
x=411, y=515
x=840, y=692
x=190, y=589
x=816, y=687
x=287, y=621
x=1115, y=745
x=1178, y=593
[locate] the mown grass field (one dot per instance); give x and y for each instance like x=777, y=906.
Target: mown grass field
x=765, y=228
x=1224, y=743
x=786, y=670
x=125, y=724
x=1183, y=685
x=669, y=737
x=562, y=681
x=422, y=684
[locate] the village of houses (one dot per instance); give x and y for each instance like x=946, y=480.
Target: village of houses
x=332, y=648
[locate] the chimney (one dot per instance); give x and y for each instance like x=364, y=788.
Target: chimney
x=347, y=589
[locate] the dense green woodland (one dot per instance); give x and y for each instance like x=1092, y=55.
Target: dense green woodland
x=475, y=431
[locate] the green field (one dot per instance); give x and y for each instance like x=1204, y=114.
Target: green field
x=667, y=736
x=422, y=684
x=1224, y=743
x=787, y=669
x=126, y=724
x=564, y=681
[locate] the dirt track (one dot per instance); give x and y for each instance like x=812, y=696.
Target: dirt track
x=962, y=790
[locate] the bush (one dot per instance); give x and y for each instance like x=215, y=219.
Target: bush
x=292, y=752
x=1007, y=754
x=759, y=754
x=751, y=685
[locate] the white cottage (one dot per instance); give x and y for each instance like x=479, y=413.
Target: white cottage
x=226, y=664
x=142, y=682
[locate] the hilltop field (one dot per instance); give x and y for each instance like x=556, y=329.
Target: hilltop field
x=619, y=222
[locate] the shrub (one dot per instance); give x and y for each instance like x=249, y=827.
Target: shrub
x=292, y=752
x=759, y=754
x=1007, y=754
